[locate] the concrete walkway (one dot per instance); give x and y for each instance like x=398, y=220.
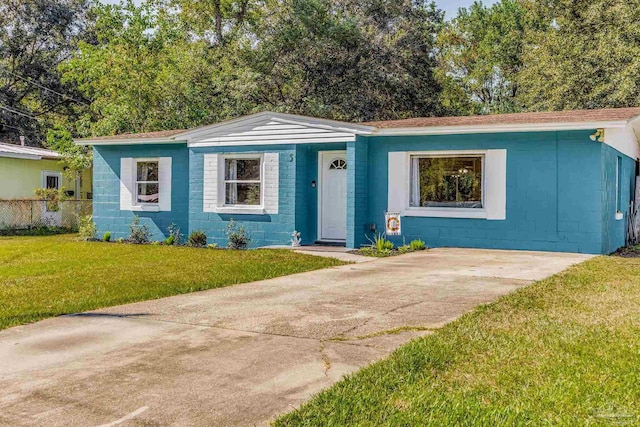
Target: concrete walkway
x=244, y=354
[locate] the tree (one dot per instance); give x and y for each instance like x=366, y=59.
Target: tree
x=148, y=72
x=349, y=59
x=75, y=158
x=36, y=36
x=581, y=54
x=480, y=56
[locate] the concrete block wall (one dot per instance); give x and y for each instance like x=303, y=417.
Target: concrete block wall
x=264, y=230
x=106, y=182
x=614, y=230
x=357, y=192
x=554, y=192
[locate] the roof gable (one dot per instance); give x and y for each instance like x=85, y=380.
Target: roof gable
x=273, y=128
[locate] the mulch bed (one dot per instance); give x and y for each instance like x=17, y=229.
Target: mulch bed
x=628, y=252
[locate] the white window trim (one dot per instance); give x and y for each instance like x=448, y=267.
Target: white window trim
x=449, y=212
x=46, y=173
x=222, y=188
x=128, y=185
x=144, y=206
x=493, y=199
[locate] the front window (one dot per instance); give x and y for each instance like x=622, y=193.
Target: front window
x=242, y=182
x=446, y=182
x=147, y=182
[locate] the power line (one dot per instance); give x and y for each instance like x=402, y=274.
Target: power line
x=26, y=79
x=14, y=111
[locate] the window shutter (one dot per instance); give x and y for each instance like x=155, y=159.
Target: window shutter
x=398, y=182
x=127, y=183
x=495, y=182
x=210, y=183
x=164, y=180
x=271, y=182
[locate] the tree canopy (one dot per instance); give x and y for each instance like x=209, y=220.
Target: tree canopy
x=80, y=68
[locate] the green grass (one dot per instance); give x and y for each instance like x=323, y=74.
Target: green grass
x=42, y=277
x=564, y=351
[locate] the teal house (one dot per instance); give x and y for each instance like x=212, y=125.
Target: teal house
x=561, y=181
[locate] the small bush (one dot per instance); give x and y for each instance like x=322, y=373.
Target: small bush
x=404, y=249
x=373, y=252
x=170, y=241
x=139, y=234
x=119, y=240
x=212, y=246
x=380, y=243
x=238, y=238
x=87, y=228
x=417, y=245
x=174, y=231
x=198, y=239
x=106, y=237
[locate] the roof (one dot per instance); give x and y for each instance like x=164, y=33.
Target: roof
x=162, y=134
x=556, y=120
x=25, y=152
x=261, y=128
x=573, y=116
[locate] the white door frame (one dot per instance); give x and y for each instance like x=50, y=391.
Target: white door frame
x=320, y=179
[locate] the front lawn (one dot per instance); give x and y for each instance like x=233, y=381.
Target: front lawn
x=564, y=351
x=42, y=277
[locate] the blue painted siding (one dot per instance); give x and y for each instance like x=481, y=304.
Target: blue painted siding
x=614, y=231
x=560, y=193
x=298, y=200
x=554, y=192
x=357, y=192
x=264, y=230
x=106, y=190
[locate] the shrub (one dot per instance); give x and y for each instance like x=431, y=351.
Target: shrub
x=372, y=251
x=174, y=234
x=417, y=245
x=106, y=237
x=238, y=238
x=380, y=243
x=119, y=240
x=198, y=239
x=404, y=249
x=170, y=241
x=213, y=246
x=139, y=234
x=87, y=228
x=53, y=197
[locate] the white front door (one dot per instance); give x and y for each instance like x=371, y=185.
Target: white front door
x=332, y=206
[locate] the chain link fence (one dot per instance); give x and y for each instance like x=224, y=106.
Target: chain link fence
x=25, y=214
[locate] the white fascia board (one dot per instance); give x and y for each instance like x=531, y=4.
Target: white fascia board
x=279, y=117
x=21, y=156
x=140, y=141
x=222, y=142
x=541, y=127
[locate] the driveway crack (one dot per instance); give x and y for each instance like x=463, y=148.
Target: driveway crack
x=366, y=322
x=325, y=359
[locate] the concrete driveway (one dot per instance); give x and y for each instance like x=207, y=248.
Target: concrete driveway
x=244, y=354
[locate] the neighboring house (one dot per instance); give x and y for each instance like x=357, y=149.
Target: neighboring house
x=558, y=181
x=24, y=169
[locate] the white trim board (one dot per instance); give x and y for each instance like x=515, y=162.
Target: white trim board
x=214, y=191
x=541, y=127
x=494, y=185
